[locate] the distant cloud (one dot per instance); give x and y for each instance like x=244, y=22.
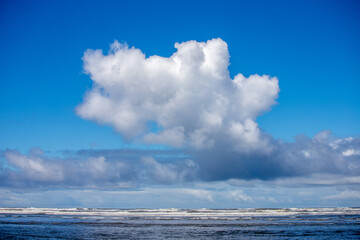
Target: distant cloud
x=110, y=172
x=304, y=162
x=239, y=195
x=344, y=195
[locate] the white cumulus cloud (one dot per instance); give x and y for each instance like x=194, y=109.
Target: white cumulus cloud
x=190, y=95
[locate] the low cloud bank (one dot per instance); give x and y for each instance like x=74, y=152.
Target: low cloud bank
x=306, y=157
x=304, y=162
x=99, y=169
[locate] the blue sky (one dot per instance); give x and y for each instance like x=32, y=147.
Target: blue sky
x=311, y=47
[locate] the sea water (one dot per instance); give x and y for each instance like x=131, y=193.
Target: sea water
x=96, y=223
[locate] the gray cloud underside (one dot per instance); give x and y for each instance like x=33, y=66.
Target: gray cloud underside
x=305, y=159
x=323, y=154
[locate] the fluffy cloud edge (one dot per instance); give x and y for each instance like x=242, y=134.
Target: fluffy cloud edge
x=190, y=95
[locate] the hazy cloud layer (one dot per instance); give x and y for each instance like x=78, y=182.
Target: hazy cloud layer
x=204, y=195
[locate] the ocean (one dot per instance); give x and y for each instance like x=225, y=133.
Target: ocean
x=259, y=223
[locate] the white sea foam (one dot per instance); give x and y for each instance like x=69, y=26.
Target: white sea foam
x=93, y=223
x=173, y=213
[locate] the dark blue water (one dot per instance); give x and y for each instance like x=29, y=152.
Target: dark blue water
x=180, y=224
